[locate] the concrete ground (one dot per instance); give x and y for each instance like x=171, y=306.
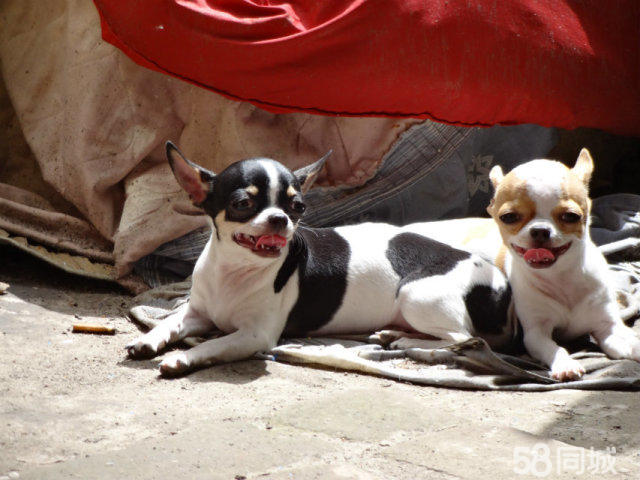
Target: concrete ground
x=72, y=406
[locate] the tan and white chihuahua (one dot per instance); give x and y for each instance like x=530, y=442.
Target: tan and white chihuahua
x=539, y=236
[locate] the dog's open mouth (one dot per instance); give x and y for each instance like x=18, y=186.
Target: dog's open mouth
x=541, y=257
x=264, y=245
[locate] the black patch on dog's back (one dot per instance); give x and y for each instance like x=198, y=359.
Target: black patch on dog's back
x=413, y=256
x=488, y=308
x=321, y=257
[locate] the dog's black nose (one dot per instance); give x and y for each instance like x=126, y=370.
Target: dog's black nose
x=540, y=234
x=278, y=220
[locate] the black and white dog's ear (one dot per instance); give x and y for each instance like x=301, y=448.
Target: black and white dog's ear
x=195, y=180
x=307, y=175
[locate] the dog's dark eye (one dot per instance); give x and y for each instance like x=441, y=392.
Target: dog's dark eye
x=297, y=206
x=570, y=217
x=510, y=217
x=243, y=204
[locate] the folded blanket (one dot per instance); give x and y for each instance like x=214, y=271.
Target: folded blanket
x=469, y=365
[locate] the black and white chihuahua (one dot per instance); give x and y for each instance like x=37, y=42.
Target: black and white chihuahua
x=263, y=274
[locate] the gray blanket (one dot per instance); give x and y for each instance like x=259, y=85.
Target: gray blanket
x=471, y=364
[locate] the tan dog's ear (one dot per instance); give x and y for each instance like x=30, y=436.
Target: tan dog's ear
x=195, y=180
x=496, y=176
x=584, y=166
x=491, y=207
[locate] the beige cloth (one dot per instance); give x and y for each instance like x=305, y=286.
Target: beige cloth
x=95, y=123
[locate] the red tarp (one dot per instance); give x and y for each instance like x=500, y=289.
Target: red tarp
x=467, y=62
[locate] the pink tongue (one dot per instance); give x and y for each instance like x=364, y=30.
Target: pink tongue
x=535, y=255
x=271, y=241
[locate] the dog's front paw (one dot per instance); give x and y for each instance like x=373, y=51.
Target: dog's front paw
x=618, y=347
x=635, y=351
x=632, y=351
x=623, y=344
x=567, y=370
x=143, y=348
x=174, y=364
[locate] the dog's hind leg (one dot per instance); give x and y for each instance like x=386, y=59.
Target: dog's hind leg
x=618, y=341
x=235, y=346
x=180, y=324
x=425, y=307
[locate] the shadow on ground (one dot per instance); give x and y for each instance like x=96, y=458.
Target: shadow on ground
x=53, y=289
x=236, y=373
x=598, y=420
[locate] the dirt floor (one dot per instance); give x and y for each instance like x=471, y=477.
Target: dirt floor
x=72, y=406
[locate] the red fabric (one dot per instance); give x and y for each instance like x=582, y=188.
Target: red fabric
x=563, y=63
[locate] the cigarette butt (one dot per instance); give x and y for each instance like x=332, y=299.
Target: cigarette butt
x=97, y=329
